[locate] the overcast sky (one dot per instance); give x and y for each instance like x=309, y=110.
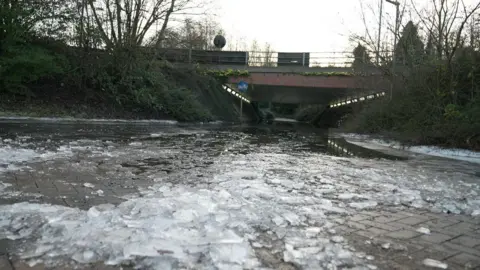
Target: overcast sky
x=302, y=25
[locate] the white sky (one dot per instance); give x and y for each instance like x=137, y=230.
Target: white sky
x=302, y=25
x=306, y=25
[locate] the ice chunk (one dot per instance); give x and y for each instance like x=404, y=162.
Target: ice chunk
x=347, y=196
x=312, y=231
x=361, y=255
x=86, y=256
x=232, y=253
x=423, y=230
x=292, y=218
x=386, y=245
x=435, y=264
x=135, y=144
x=278, y=220
x=337, y=239
x=363, y=205
x=88, y=185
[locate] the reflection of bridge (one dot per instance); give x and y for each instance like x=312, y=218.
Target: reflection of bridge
x=340, y=147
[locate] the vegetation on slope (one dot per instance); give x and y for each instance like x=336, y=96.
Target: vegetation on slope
x=436, y=83
x=48, y=70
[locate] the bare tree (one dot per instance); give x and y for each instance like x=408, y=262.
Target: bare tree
x=261, y=55
x=268, y=55
x=445, y=25
x=255, y=56
x=125, y=23
x=192, y=34
x=370, y=40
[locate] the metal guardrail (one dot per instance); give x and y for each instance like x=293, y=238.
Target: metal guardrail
x=262, y=59
x=350, y=100
x=235, y=93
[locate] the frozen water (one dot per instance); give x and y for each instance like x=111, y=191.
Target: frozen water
x=435, y=264
x=14, y=155
x=179, y=225
x=423, y=230
x=459, y=154
x=11, y=157
x=3, y=186
x=363, y=205
x=84, y=120
x=98, y=192
x=265, y=199
x=88, y=185
x=337, y=239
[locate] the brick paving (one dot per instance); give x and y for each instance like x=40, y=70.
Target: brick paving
x=61, y=183
x=389, y=234
x=453, y=239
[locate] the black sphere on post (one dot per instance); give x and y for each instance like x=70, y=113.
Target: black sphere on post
x=219, y=41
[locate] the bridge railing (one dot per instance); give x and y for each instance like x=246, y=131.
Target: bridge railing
x=262, y=59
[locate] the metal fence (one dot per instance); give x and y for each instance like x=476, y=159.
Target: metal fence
x=266, y=59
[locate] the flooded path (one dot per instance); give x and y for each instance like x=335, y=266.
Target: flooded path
x=164, y=196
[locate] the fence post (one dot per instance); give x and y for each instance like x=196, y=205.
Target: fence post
x=303, y=59
x=246, y=59
x=241, y=109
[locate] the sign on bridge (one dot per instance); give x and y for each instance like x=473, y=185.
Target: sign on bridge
x=242, y=86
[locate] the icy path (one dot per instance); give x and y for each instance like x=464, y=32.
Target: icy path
x=459, y=154
x=241, y=207
x=178, y=226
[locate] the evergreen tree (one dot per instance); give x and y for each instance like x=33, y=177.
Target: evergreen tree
x=430, y=49
x=361, y=57
x=410, y=48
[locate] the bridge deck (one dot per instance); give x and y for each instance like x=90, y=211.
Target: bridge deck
x=283, y=69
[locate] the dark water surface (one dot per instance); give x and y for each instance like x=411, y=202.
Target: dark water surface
x=299, y=137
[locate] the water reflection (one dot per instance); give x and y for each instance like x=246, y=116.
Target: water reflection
x=292, y=137
x=340, y=147
x=301, y=137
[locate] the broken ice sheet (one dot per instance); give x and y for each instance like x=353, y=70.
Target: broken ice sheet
x=77, y=233
x=423, y=230
x=435, y=264
x=363, y=205
x=182, y=224
x=88, y=185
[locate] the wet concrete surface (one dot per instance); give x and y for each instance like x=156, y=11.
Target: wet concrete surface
x=355, y=206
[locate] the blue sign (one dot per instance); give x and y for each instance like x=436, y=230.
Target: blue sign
x=242, y=86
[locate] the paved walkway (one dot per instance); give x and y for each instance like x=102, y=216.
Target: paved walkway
x=394, y=238
x=391, y=235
